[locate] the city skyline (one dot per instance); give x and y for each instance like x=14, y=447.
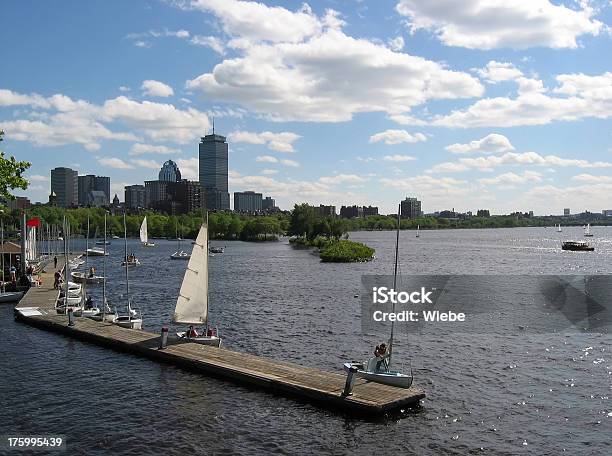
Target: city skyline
x=360, y=104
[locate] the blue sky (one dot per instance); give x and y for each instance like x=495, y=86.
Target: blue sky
x=465, y=104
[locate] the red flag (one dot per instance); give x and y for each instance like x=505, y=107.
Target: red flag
x=33, y=222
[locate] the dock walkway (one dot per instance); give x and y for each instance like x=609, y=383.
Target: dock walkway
x=315, y=385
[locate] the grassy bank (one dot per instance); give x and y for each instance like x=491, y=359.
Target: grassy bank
x=332, y=250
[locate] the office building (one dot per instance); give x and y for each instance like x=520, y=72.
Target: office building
x=65, y=186
x=370, y=210
x=135, y=197
x=155, y=192
x=213, y=162
x=247, y=202
x=566, y=212
x=326, y=211
x=410, y=208
x=90, y=183
x=351, y=211
x=183, y=197
x=269, y=204
x=19, y=203
x=607, y=212
x=169, y=172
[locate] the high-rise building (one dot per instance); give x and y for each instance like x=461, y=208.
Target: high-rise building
x=351, y=211
x=184, y=197
x=370, y=210
x=213, y=158
x=268, y=204
x=155, y=191
x=135, y=196
x=169, y=172
x=247, y=202
x=65, y=185
x=90, y=183
x=410, y=208
x=566, y=211
x=326, y=211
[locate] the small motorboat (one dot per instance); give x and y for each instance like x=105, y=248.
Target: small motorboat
x=103, y=243
x=180, y=255
x=577, y=246
x=115, y=237
x=81, y=277
x=95, y=252
x=215, y=249
x=130, y=260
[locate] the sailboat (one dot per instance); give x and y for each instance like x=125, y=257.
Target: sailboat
x=144, y=234
x=66, y=302
x=192, y=302
x=179, y=254
x=89, y=276
x=131, y=319
x=418, y=229
x=587, y=231
x=368, y=370
x=104, y=314
x=7, y=296
x=559, y=228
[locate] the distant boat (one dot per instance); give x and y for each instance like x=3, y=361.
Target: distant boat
x=179, y=254
x=144, y=234
x=130, y=319
x=130, y=260
x=102, y=242
x=559, y=228
x=115, y=237
x=213, y=249
x=587, y=231
x=577, y=246
x=192, y=302
x=95, y=252
x=417, y=233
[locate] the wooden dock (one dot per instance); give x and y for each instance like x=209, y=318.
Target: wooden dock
x=321, y=387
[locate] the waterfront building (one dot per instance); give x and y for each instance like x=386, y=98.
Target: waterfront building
x=213, y=161
x=247, y=202
x=134, y=197
x=65, y=185
x=183, y=197
x=607, y=212
x=326, y=211
x=370, y=210
x=351, y=211
x=170, y=172
x=19, y=203
x=89, y=183
x=268, y=204
x=410, y=208
x=155, y=192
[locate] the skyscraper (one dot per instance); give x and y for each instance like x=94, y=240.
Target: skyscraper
x=91, y=183
x=214, y=171
x=410, y=208
x=169, y=172
x=247, y=202
x=135, y=196
x=64, y=183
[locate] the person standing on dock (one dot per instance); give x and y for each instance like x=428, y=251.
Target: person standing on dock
x=56, y=282
x=55, y=262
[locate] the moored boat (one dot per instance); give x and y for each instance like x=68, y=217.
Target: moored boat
x=577, y=246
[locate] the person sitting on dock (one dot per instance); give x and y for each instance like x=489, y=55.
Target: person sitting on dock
x=381, y=356
x=192, y=332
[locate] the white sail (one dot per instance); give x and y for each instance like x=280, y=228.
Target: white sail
x=588, y=229
x=144, y=235
x=192, y=303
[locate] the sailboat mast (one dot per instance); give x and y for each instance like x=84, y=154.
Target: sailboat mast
x=104, y=273
x=2, y=230
x=127, y=279
x=65, y=265
x=206, y=253
x=399, y=209
x=86, y=258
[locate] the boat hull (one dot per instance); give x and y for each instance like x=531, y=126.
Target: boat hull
x=213, y=341
x=128, y=322
x=174, y=256
x=11, y=296
x=83, y=278
x=390, y=378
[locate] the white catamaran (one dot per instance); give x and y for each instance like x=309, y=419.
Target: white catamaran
x=144, y=234
x=192, y=303
x=378, y=369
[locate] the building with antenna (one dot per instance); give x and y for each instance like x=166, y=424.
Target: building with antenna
x=213, y=163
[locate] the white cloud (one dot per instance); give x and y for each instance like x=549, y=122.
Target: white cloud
x=391, y=137
x=490, y=24
x=280, y=142
x=398, y=158
x=342, y=179
x=156, y=89
x=189, y=168
x=37, y=178
x=492, y=143
x=124, y=89
x=114, y=162
x=579, y=96
x=512, y=179
x=591, y=179
x=296, y=65
x=266, y=159
x=396, y=44
x=140, y=149
x=142, y=163
x=142, y=44
x=209, y=41
x=495, y=72
x=512, y=158
x=291, y=163
x=268, y=172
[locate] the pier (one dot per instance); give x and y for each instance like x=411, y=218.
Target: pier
x=309, y=384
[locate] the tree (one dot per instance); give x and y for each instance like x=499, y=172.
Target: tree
x=303, y=219
x=11, y=174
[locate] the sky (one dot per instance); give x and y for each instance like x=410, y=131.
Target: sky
x=464, y=104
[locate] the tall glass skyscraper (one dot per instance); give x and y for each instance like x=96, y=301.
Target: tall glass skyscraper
x=214, y=171
x=65, y=186
x=169, y=172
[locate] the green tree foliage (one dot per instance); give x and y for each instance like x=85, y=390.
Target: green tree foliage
x=11, y=174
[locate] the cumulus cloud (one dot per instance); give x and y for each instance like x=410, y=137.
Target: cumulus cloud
x=495, y=72
x=209, y=41
x=297, y=63
x=492, y=143
x=342, y=179
x=396, y=44
x=60, y=120
x=140, y=149
x=490, y=24
x=591, y=179
x=37, y=178
x=189, y=168
x=266, y=159
x=114, y=162
x=398, y=158
x=142, y=163
x=513, y=158
x=391, y=137
x=156, y=89
x=512, y=179
x=280, y=142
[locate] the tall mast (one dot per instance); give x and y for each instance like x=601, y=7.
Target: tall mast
x=65, y=265
x=104, y=273
x=127, y=279
x=2, y=229
x=207, y=275
x=86, y=258
x=399, y=209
